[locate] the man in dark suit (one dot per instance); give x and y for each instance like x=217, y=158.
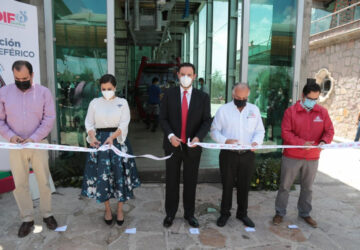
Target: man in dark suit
x=184, y=114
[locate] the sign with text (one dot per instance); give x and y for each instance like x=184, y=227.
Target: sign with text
x=18, y=41
x=18, y=38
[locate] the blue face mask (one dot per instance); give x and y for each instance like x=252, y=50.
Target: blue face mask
x=309, y=103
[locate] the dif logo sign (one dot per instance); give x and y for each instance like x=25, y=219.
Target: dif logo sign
x=19, y=18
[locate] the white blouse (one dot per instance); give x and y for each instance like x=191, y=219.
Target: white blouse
x=114, y=113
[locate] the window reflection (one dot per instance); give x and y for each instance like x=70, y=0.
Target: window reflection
x=271, y=51
x=219, y=55
x=80, y=30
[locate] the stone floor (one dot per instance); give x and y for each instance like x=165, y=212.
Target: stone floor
x=336, y=208
x=144, y=141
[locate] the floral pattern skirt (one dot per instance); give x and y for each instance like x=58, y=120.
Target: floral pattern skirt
x=108, y=175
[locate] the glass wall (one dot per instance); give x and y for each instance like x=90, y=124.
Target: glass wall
x=271, y=54
x=219, y=55
x=80, y=54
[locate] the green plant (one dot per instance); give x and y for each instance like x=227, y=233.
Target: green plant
x=267, y=172
x=68, y=169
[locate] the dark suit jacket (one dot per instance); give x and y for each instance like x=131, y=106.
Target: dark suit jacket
x=198, y=120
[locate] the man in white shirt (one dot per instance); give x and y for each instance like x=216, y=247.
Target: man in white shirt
x=237, y=122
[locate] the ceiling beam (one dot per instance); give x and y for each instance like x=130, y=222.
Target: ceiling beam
x=177, y=29
x=191, y=1
x=179, y=18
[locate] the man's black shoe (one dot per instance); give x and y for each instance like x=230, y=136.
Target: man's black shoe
x=247, y=221
x=222, y=220
x=50, y=222
x=168, y=221
x=192, y=221
x=25, y=228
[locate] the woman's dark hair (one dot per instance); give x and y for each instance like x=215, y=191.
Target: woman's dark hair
x=311, y=87
x=19, y=64
x=108, y=78
x=187, y=65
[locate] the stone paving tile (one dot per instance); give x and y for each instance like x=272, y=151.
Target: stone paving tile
x=335, y=207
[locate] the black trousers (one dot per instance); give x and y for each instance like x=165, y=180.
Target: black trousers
x=190, y=157
x=236, y=169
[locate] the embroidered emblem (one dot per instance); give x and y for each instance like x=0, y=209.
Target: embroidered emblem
x=318, y=119
x=251, y=115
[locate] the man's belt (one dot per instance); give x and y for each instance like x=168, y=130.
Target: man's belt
x=240, y=152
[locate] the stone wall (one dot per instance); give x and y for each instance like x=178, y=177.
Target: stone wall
x=342, y=60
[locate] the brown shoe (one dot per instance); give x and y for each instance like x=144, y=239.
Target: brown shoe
x=50, y=222
x=25, y=228
x=277, y=219
x=310, y=221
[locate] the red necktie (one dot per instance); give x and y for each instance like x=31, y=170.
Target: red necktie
x=184, y=112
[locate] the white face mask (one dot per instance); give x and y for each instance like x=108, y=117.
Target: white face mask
x=108, y=94
x=185, y=81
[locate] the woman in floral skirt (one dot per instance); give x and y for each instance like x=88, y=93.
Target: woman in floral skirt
x=106, y=174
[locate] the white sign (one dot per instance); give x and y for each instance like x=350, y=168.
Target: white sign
x=18, y=38
x=130, y=231
x=18, y=41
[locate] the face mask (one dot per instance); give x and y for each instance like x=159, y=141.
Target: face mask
x=185, y=81
x=23, y=85
x=108, y=94
x=240, y=103
x=309, y=103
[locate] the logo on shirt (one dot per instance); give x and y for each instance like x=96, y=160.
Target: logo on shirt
x=119, y=105
x=318, y=119
x=251, y=115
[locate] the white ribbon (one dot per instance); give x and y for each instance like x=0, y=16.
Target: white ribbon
x=249, y=147
x=43, y=146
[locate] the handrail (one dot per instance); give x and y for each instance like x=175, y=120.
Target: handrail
x=336, y=12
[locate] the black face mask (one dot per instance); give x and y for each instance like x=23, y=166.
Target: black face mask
x=23, y=85
x=240, y=103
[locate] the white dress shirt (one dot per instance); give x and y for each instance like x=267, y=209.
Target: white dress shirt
x=188, y=98
x=188, y=95
x=246, y=126
x=114, y=113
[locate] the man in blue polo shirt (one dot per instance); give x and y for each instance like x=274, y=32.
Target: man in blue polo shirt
x=153, y=104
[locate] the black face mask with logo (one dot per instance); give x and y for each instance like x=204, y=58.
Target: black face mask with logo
x=23, y=85
x=240, y=103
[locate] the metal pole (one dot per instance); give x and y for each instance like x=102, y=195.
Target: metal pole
x=209, y=40
x=196, y=42
x=298, y=47
x=245, y=30
x=50, y=64
x=158, y=16
x=110, y=38
x=231, y=50
x=136, y=15
x=187, y=44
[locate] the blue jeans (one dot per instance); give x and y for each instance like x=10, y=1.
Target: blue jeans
x=357, y=137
